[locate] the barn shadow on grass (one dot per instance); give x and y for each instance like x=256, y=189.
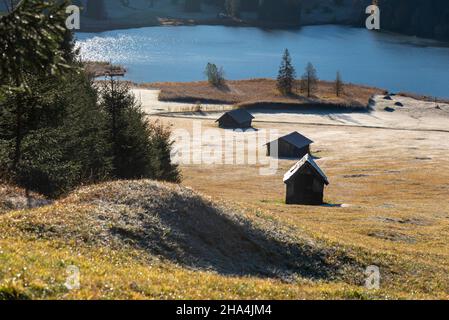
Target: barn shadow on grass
x=190, y=231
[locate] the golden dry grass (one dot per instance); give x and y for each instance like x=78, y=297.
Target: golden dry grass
x=393, y=184
x=259, y=90
x=14, y=198
x=394, y=188
x=37, y=270
x=37, y=246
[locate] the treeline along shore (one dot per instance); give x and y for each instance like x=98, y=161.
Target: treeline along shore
x=422, y=18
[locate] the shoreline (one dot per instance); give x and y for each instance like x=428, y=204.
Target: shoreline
x=188, y=23
x=102, y=69
x=110, y=25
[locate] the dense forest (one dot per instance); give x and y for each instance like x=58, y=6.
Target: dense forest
x=268, y=10
x=423, y=18
x=58, y=128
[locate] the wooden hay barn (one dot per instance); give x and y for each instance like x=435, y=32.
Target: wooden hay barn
x=305, y=183
x=238, y=118
x=293, y=145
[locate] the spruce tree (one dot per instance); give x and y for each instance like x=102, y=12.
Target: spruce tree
x=138, y=148
x=287, y=74
x=31, y=38
x=30, y=41
x=162, y=146
x=63, y=141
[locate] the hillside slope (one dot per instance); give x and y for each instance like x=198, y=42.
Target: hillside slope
x=13, y=198
x=150, y=240
x=132, y=237
x=175, y=224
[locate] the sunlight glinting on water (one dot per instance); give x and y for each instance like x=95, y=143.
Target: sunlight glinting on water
x=181, y=53
x=113, y=49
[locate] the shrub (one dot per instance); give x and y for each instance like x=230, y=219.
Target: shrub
x=214, y=75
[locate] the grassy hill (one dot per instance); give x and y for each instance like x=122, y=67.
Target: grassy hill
x=148, y=240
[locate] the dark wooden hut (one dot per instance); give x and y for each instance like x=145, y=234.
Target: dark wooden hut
x=293, y=145
x=305, y=183
x=238, y=118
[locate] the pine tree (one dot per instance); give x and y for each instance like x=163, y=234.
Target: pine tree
x=30, y=41
x=162, y=146
x=31, y=38
x=139, y=149
x=63, y=141
x=287, y=75
x=309, y=80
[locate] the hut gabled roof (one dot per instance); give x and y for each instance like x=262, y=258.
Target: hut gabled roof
x=296, y=139
x=307, y=160
x=239, y=115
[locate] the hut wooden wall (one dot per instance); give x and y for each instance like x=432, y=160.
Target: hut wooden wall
x=226, y=121
x=306, y=188
x=287, y=150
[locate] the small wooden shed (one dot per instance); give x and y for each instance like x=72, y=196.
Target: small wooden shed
x=238, y=118
x=305, y=183
x=293, y=145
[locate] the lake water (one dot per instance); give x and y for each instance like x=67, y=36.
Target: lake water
x=397, y=63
